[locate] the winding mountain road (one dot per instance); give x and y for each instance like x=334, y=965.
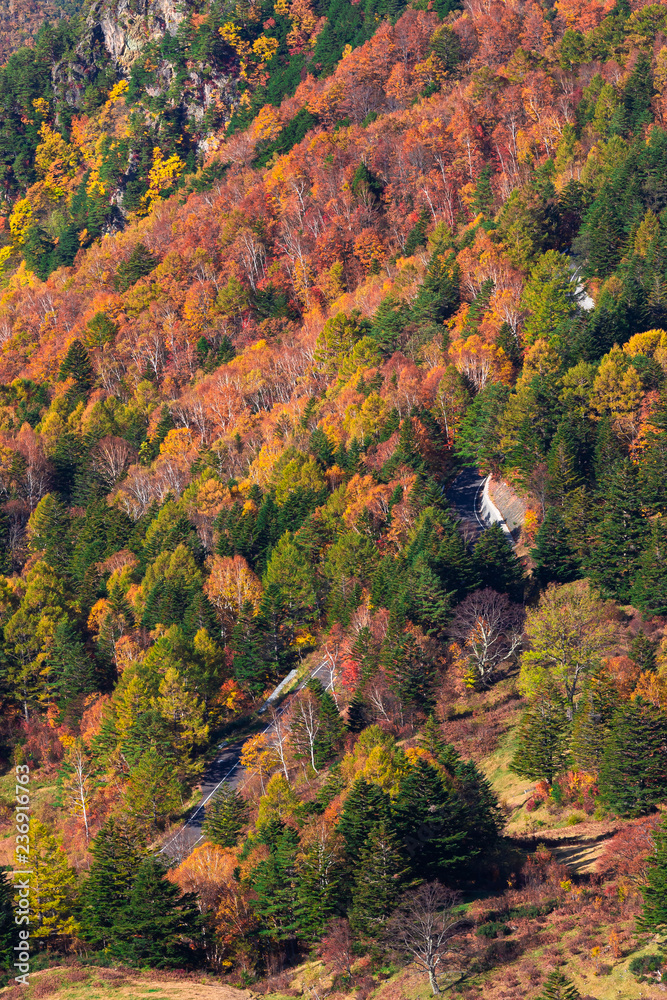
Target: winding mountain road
x=469, y=497
x=226, y=769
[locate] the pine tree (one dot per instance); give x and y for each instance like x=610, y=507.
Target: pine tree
x=158, y=924
x=117, y=853
x=366, y=806
x=633, y=773
x=497, y=564
x=72, y=673
x=541, y=738
x=8, y=926
x=592, y=722
x=140, y=263
x=48, y=531
x=430, y=819
x=649, y=590
x=621, y=534
x=654, y=891
x=226, y=815
x=275, y=885
x=409, y=671
x=77, y=365
x=332, y=726
x=554, y=556
x=558, y=987
x=381, y=876
x=642, y=651
x=252, y=665
x=153, y=790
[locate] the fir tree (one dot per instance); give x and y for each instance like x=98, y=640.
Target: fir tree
x=430, y=819
x=77, y=365
x=621, y=535
x=366, y=806
x=140, y=263
x=226, y=815
x=654, y=891
x=541, y=738
x=642, y=651
x=649, y=590
x=409, y=671
x=497, y=564
x=558, y=987
x=381, y=875
x=158, y=924
x=275, y=885
x=592, y=722
x=72, y=672
x=555, y=559
x=332, y=726
x=633, y=773
x=117, y=853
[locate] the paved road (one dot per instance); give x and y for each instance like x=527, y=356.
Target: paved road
x=464, y=495
x=225, y=769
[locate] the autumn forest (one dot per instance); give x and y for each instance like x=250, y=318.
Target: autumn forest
x=333, y=497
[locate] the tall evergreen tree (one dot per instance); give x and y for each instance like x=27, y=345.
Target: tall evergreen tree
x=275, y=885
x=366, y=806
x=430, y=819
x=633, y=773
x=654, y=891
x=226, y=815
x=381, y=875
x=620, y=535
x=77, y=365
x=117, y=853
x=159, y=925
x=593, y=718
x=559, y=987
x=497, y=564
x=555, y=558
x=72, y=673
x=541, y=738
x=649, y=589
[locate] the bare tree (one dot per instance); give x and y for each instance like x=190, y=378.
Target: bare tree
x=489, y=628
x=337, y=947
x=280, y=724
x=111, y=457
x=423, y=925
x=306, y=726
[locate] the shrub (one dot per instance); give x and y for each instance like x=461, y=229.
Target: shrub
x=493, y=929
x=644, y=964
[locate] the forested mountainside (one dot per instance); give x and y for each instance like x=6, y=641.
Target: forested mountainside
x=272, y=275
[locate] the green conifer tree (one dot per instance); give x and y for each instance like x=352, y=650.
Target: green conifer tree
x=555, y=558
x=117, y=853
x=430, y=819
x=366, y=806
x=592, y=721
x=541, y=738
x=559, y=987
x=649, y=589
x=77, y=365
x=381, y=875
x=620, y=536
x=654, y=891
x=633, y=772
x=226, y=815
x=159, y=925
x=497, y=564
